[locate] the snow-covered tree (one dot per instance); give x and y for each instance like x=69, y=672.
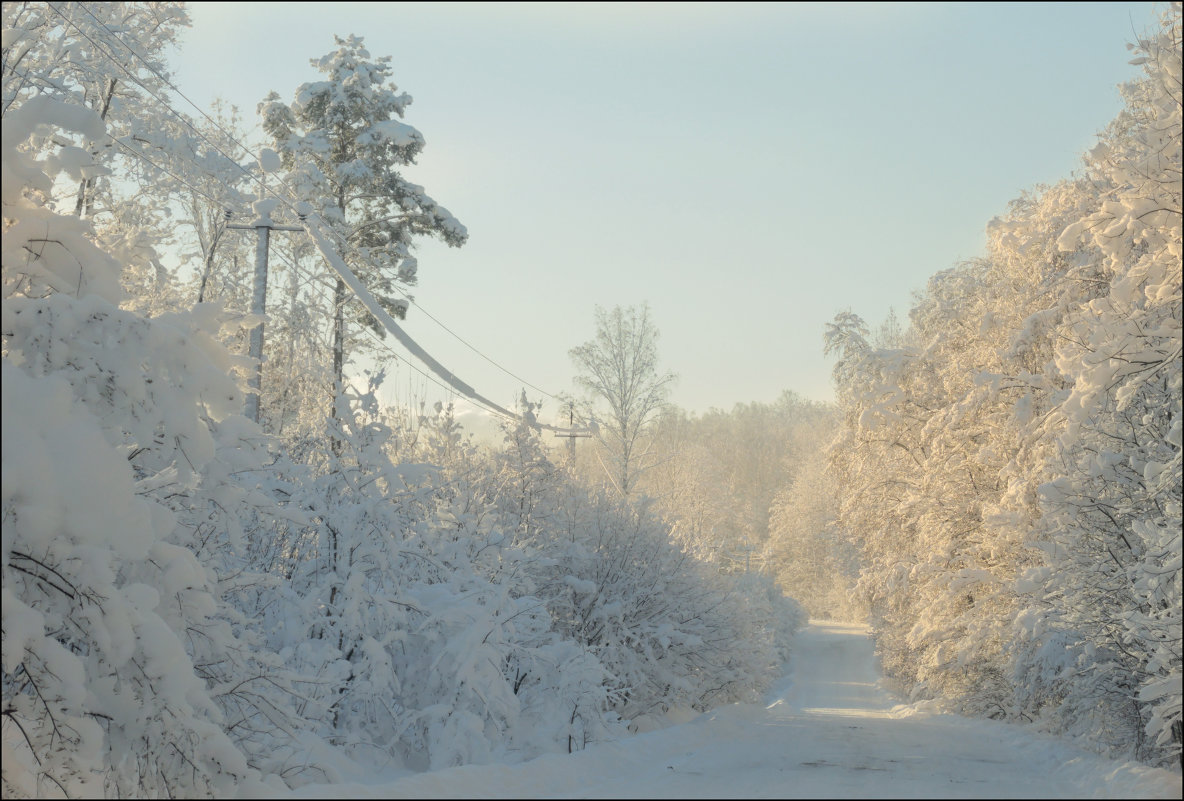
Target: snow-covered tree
x=688, y=484
x=345, y=149
x=106, y=413
x=108, y=57
x=1012, y=464
x=813, y=558
x=1114, y=512
x=715, y=475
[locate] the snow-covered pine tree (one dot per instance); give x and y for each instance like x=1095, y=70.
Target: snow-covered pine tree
x=345, y=148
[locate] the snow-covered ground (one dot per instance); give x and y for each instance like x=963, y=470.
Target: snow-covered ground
x=830, y=729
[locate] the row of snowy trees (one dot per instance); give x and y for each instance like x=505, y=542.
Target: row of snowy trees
x=743, y=490
x=1012, y=461
x=193, y=603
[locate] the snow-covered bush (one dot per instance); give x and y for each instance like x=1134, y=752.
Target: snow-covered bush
x=469, y=608
x=669, y=629
x=105, y=413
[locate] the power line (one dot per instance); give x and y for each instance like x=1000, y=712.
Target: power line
x=347, y=276
x=144, y=60
x=382, y=345
x=452, y=389
x=290, y=263
x=287, y=202
x=412, y=301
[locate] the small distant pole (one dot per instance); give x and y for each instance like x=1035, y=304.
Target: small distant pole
x=263, y=226
x=572, y=434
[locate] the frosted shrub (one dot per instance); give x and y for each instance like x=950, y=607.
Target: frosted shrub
x=105, y=412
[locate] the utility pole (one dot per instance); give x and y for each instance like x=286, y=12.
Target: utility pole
x=572, y=433
x=263, y=226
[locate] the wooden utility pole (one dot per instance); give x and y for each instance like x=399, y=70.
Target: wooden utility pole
x=263, y=226
x=572, y=434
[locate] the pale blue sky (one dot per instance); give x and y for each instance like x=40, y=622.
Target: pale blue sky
x=747, y=169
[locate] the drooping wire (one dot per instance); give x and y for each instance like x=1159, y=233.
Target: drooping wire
x=290, y=263
x=164, y=103
x=287, y=201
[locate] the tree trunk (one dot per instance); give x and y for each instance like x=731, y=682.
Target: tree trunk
x=209, y=268
x=86, y=196
x=338, y=357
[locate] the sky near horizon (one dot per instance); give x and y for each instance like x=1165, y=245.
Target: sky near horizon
x=746, y=169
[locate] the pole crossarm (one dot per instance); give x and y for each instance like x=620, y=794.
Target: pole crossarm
x=253, y=226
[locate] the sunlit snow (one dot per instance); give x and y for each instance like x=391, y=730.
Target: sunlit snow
x=829, y=729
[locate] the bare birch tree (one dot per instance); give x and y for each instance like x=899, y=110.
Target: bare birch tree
x=619, y=367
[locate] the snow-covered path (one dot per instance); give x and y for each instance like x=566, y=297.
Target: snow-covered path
x=828, y=730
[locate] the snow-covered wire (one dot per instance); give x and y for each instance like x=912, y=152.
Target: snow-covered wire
x=381, y=344
x=166, y=170
x=167, y=106
x=289, y=203
x=359, y=289
x=347, y=247
x=290, y=263
x=286, y=201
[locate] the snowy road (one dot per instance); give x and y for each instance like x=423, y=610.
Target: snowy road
x=828, y=730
